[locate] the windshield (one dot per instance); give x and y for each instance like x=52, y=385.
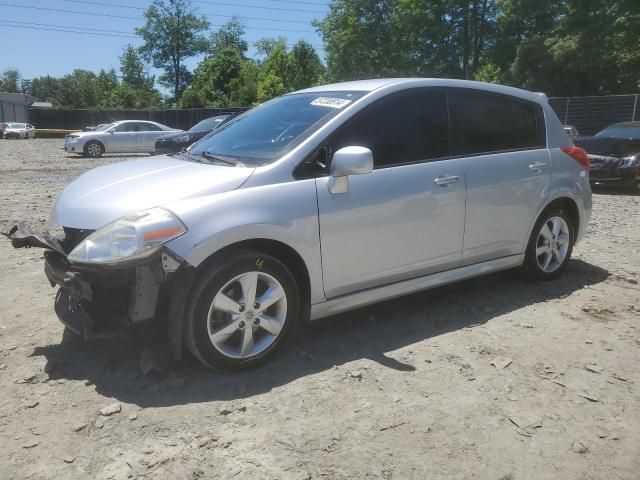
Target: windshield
x=208, y=123
x=15, y=125
x=271, y=130
x=620, y=132
x=102, y=128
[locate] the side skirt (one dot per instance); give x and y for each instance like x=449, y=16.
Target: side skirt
x=362, y=298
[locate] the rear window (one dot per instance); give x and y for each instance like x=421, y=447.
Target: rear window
x=486, y=123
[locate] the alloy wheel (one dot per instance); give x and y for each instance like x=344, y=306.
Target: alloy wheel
x=552, y=244
x=247, y=315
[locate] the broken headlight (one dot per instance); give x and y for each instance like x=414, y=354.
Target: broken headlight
x=630, y=162
x=129, y=237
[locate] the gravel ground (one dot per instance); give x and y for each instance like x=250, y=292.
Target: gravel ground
x=405, y=389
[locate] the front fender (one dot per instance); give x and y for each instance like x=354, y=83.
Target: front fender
x=285, y=212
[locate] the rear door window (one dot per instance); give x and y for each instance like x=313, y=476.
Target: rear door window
x=529, y=124
x=148, y=127
x=486, y=123
x=404, y=127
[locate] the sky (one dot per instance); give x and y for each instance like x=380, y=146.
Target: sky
x=53, y=37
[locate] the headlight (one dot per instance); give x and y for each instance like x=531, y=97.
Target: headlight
x=129, y=237
x=181, y=139
x=630, y=162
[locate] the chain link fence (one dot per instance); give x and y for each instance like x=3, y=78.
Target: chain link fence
x=587, y=114
x=591, y=114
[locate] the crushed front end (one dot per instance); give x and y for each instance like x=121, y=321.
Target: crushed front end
x=613, y=170
x=102, y=300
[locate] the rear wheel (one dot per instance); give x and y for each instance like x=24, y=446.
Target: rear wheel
x=550, y=245
x=93, y=149
x=241, y=310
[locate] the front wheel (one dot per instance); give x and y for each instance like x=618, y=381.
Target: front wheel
x=550, y=245
x=241, y=310
x=93, y=149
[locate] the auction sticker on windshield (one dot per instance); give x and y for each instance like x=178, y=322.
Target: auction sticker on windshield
x=331, y=102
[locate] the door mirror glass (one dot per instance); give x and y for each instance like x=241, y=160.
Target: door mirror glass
x=351, y=161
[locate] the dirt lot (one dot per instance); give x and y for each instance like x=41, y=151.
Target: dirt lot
x=402, y=390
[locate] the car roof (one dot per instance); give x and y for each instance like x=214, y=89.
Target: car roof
x=375, y=84
x=625, y=125
x=131, y=121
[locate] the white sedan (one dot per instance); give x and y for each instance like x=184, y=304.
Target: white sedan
x=19, y=130
x=126, y=136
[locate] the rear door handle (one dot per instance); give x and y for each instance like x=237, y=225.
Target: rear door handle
x=446, y=180
x=537, y=167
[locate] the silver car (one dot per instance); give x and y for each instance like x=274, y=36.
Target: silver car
x=126, y=136
x=315, y=203
x=19, y=130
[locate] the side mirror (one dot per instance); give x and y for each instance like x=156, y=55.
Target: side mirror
x=349, y=161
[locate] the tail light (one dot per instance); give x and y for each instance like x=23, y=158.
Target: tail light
x=579, y=155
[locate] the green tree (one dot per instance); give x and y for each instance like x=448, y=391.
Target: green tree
x=362, y=39
x=225, y=76
x=213, y=76
x=136, y=89
x=594, y=43
x=265, y=46
x=270, y=86
x=230, y=35
x=172, y=33
x=305, y=67
x=78, y=89
x=106, y=84
x=9, y=80
x=47, y=88
x=133, y=70
x=282, y=72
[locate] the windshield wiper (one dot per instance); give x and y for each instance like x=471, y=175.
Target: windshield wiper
x=219, y=158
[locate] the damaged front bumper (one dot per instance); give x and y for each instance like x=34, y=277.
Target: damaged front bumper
x=98, y=301
x=609, y=170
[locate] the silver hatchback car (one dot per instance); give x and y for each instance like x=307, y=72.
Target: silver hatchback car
x=315, y=203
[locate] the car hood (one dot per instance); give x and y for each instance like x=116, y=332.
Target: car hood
x=84, y=134
x=107, y=193
x=619, y=147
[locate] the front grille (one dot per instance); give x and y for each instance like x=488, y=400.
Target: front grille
x=73, y=236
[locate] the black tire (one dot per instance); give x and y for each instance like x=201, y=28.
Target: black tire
x=93, y=149
x=210, y=280
x=531, y=266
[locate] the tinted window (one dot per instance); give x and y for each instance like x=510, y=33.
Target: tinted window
x=529, y=125
x=207, y=124
x=405, y=127
x=123, y=127
x=147, y=127
x=484, y=123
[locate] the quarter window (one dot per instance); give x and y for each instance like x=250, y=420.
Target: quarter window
x=408, y=126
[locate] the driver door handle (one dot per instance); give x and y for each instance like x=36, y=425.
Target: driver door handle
x=446, y=180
